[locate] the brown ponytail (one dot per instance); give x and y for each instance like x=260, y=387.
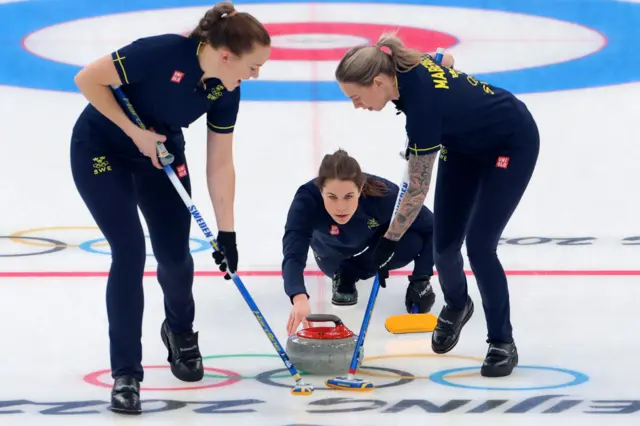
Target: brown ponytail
x=361, y=64
x=341, y=166
x=222, y=26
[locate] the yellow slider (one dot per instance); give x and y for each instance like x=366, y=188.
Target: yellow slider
x=411, y=323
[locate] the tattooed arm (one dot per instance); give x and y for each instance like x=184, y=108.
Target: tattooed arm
x=422, y=105
x=420, y=171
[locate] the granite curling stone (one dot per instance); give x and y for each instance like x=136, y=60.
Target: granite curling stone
x=323, y=350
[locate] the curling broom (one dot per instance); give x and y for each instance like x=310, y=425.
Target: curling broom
x=350, y=381
x=413, y=322
x=300, y=388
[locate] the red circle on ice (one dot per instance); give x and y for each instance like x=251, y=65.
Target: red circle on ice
x=417, y=38
x=93, y=378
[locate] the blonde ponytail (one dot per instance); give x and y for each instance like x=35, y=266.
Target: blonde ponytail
x=402, y=57
x=361, y=64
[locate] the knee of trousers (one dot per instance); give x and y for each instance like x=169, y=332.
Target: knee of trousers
x=410, y=246
x=170, y=257
x=132, y=252
x=328, y=266
x=480, y=252
x=403, y=258
x=183, y=264
x=446, y=255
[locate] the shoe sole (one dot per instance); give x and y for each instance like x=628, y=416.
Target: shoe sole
x=499, y=371
x=338, y=303
x=128, y=412
x=466, y=319
x=333, y=302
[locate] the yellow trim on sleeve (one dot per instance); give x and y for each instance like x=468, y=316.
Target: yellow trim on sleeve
x=220, y=128
x=417, y=151
x=118, y=60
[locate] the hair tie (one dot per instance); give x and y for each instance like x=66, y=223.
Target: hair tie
x=228, y=15
x=385, y=49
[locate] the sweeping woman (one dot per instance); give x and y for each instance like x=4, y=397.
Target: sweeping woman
x=487, y=142
x=171, y=80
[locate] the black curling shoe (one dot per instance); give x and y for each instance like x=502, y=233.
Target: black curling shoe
x=344, y=290
x=184, y=354
x=125, y=395
x=501, y=359
x=450, y=322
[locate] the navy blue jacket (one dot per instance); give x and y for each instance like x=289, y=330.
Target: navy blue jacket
x=447, y=107
x=161, y=77
x=310, y=225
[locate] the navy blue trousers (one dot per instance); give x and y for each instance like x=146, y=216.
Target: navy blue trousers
x=412, y=247
x=475, y=198
x=113, y=187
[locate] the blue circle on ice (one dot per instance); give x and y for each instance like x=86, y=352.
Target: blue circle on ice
x=616, y=63
x=577, y=378
x=88, y=246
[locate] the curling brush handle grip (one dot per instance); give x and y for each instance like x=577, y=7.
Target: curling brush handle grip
x=324, y=318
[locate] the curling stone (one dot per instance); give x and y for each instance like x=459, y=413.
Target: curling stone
x=323, y=350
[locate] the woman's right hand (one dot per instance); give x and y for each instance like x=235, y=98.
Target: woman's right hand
x=299, y=313
x=147, y=141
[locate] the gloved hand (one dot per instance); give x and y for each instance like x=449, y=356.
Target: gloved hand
x=420, y=296
x=383, y=253
x=227, y=249
x=383, y=274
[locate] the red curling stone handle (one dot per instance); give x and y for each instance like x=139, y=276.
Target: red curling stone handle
x=324, y=318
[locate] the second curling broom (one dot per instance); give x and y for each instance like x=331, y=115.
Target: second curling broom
x=350, y=381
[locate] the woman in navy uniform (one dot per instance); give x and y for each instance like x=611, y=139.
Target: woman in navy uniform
x=488, y=144
x=171, y=81
x=341, y=214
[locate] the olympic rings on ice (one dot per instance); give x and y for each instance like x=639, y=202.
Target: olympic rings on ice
x=48, y=245
x=444, y=377
x=94, y=379
x=52, y=246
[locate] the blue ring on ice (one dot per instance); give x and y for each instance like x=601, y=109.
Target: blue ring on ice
x=88, y=246
x=616, y=63
x=578, y=378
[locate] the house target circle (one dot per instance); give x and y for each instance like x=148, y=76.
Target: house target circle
x=591, y=41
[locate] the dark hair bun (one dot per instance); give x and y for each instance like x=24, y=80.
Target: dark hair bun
x=223, y=26
x=222, y=10
x=217, y=13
